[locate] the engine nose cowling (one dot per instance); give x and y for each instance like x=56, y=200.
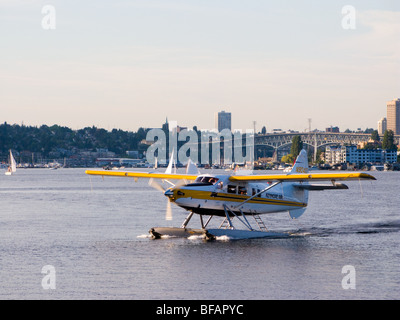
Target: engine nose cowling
x=170, y=194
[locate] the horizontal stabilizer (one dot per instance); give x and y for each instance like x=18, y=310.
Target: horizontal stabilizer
x=318, y=187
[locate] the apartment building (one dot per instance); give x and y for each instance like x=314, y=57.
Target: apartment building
x=350, y=154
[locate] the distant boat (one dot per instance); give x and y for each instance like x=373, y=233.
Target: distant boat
x=288, y=169
x=12, y=166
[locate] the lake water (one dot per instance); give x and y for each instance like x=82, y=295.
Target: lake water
x=94, y=233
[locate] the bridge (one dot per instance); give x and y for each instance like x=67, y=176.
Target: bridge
x=281, y=142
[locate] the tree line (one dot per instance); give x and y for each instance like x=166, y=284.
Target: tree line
x=45, y=139
x=386, y=143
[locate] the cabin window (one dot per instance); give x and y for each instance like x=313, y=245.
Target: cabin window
x=242, y=190
x=231, y=189
x=206, y=180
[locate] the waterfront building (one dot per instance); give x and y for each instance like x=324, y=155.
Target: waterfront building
x=350, y=154
x=390, y=156
x=393, y=116
x=335, y=154
x=223, y=121
x=382, y=126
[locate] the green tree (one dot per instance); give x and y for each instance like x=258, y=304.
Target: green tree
x=375, y=136
x=288, y=158
x=388, y=140
x=369, y=130
x=297, y=146
x=318, y=157
x=263, y=130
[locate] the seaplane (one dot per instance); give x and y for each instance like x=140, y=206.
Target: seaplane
x=237, y=197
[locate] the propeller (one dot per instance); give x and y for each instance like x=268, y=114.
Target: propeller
x=154, y=184
x=168, y=214
x=180, y=183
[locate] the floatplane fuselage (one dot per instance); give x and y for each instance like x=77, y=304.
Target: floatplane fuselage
x=240, y=196
x=216, y=194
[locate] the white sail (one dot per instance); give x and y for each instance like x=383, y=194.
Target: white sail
x=12, y=165
x=171, y=164
x=191, y=168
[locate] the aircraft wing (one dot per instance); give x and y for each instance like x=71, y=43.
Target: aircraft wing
x=133, y=174
x=305, y=177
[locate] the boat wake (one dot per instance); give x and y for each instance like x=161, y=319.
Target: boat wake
x=144, y=236
x=361, y=228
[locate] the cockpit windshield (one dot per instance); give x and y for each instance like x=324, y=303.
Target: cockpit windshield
x=206, y=180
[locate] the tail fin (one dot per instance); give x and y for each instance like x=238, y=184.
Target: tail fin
x=300, y=166
x=301, y=163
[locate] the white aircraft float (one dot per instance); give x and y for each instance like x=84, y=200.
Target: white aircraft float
x=237, y=196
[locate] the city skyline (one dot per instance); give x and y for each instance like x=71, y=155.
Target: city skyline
x=259, y=129
x=130, y=64
x=393, y=116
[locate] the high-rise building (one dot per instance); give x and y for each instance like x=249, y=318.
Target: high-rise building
x=382, y=126
x=223, y=121
x=393, y=116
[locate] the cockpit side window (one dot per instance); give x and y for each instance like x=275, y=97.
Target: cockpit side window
x=206, y=180
x=231, y=188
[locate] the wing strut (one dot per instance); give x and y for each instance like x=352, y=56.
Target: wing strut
x=227, y=217
x=246, y=224
x=184, y=224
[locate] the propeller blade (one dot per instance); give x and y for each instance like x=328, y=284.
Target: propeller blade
x=180, y=183
x=156, y=185
x=168, y=215
x=159, y=187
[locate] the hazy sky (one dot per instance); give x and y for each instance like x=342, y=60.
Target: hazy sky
x=127, y=64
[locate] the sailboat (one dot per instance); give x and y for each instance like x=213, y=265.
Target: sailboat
x=12, y=167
